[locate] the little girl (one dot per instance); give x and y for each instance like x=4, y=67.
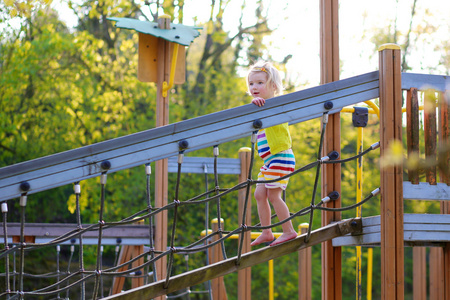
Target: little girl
x=274, y=147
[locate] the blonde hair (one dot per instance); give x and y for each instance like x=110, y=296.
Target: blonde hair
x=273, y=76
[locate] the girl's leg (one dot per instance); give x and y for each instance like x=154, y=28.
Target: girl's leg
x=264, y=213
x=282, y=211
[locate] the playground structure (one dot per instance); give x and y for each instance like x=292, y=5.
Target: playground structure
x=157, y=144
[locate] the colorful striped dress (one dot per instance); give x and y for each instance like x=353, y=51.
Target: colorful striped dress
x=275, y=165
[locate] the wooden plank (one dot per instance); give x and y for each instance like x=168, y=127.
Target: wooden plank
x=218, y=289
x=158, y=143
x=419, y=273
x=444, y=138
x=425, y=191
x=118, y=282
x=412, y=131
x=418, y=228
x=228, y=266
x=245, y=275
x=444, y=176
x=429, y=121
x=161, y=166
x=304, y=269
x=425, y=81
x=436, y=274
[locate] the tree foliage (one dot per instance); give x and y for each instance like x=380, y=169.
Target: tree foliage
x=63, y=88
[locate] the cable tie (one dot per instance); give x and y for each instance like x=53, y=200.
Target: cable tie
x=254, y=137
x=103, y=178
x=4, y=207
x=180, y=157
x=23, y=200
x=375, y=192
x=148, y=169
x=216, y=150
x=375, y=146
x=325, y=158
x=77, y=188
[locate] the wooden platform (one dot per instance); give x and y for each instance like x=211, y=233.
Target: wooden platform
x=419, y=230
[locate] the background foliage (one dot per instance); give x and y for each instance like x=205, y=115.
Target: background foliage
x=62, y=88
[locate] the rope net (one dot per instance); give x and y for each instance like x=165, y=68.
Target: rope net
x=144, y=264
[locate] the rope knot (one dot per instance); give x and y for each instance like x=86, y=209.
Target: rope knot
x=173, y=249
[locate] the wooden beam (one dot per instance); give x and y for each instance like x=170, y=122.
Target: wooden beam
x=391, y=210
x=218, y=289
x=412, y=131
x=430, y=137
x=304, y=268
x=245, y=275
x=161, y=166
x=419, y=273
x=331, y=173
x=444, y=176
x=249, y=259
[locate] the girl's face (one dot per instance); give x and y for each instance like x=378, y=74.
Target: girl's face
x=258, y=87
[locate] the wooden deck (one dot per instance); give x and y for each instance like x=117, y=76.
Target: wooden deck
x=419, y=230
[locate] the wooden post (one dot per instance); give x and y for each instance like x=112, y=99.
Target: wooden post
x=331, y=173
x=391, y=210
x=430, y=134
x=412, y=131
x=161, y=166
x=219, y=291
x=419, y=273
x=245, y=275
x=304, y=268
x=444, y=174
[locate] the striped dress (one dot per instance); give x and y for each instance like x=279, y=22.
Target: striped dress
x=275, y=165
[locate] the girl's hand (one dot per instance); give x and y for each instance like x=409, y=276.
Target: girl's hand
x=259, y=101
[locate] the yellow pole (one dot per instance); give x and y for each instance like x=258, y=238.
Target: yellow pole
x=369, y=273
x=271, y=279
x=359, y=145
